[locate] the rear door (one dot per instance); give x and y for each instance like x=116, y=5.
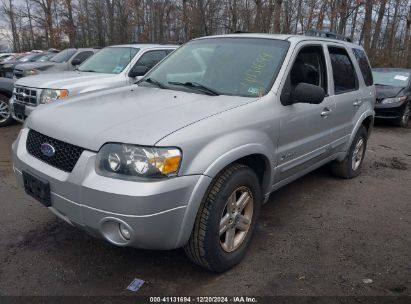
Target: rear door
x=306, y=129
x=345, y=87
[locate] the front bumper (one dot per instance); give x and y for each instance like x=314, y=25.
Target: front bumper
x=158, y=214
x=389, y=111
x=28, y=110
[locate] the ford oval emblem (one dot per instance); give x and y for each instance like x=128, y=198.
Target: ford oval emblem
x=48, y=150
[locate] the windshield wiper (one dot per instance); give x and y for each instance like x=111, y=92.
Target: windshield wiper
x=197, y=86
x=89, y=71
x=155, y=82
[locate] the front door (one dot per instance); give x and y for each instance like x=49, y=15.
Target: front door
x=306, y=129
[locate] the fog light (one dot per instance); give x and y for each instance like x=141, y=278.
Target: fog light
x=125, y=232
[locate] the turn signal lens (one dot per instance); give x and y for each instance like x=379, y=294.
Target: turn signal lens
x=170, y=165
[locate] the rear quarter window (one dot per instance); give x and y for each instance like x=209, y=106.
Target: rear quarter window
x=364, y=66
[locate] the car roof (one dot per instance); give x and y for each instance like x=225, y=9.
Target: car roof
x=145, y=45
x=294, y=38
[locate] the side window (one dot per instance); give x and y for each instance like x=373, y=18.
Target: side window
x=364, y=66
x=82, y=56
x=309, y=67
x=151, y=58
x=345, y=78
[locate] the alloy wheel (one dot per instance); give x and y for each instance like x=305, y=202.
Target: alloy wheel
x=236, y=219
x=358, y=154
x=406, y=115
x=4, y=111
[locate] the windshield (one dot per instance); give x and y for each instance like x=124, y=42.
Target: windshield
x=391, y=78
x=229, y=66
x=64, y=56
x=110, y=60
x=46, y=57
x=30, y=57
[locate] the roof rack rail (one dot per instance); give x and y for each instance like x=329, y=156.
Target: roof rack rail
x=325, y=34
x=160, y=43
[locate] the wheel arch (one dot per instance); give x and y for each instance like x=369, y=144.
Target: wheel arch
x=366, y=120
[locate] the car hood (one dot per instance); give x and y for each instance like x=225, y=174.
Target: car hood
x=9, y=63
x=134, y=115
x=61, y=80
x=36, y=65
x=387, y=91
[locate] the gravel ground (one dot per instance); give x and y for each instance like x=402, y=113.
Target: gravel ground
x=317, y=236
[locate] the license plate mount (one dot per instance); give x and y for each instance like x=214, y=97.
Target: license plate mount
x=19, y=109
x=37, y=188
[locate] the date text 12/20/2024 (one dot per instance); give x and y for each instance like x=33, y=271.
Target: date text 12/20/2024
x=237, y=299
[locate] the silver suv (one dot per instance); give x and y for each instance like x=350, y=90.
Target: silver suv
x=186, y=157
x=112, y=67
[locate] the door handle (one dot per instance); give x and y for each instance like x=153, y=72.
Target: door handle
x=357, y=103
x=325, y=112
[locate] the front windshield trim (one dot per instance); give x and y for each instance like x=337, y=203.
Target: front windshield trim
x=270, y=84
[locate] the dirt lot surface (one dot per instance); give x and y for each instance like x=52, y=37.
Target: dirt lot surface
x=317, y=236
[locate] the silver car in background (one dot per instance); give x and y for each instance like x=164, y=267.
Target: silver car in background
x=186, y=157
x=112, y=67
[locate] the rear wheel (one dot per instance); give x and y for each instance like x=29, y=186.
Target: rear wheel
x=226, y=220
x=5, y=112
x=350, y=167
x=403, y=121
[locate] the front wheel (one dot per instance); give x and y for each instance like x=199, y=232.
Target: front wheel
x=403, y=121
x=5, y=113
x=226, y=219
x=350, y=167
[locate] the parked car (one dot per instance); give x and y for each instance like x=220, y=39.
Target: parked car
x=112, y=67
x=39, y=58
x=66, y=60
x=5, y=56
x=186, y=157
x=393, y=88
x=6, y=86
x=6, y=68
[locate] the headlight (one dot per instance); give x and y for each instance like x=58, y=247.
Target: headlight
x=134, y=162
x=393, y=100
x=49, y=95
x=31, y=72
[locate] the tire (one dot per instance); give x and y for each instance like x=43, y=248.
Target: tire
x=5, y=114
x=349, y=168
x=209, y=248
x=403, y=121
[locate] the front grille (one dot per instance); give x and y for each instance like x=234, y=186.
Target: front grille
x=25, y=95
x=65, y=157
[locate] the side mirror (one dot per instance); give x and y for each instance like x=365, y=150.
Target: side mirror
x=307, y=93
x=76, y=62
x=139, y=70
x=304, y=93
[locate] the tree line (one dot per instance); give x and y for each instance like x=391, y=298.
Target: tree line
x=383, y=27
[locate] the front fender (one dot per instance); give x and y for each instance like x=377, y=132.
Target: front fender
x=225, y=149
